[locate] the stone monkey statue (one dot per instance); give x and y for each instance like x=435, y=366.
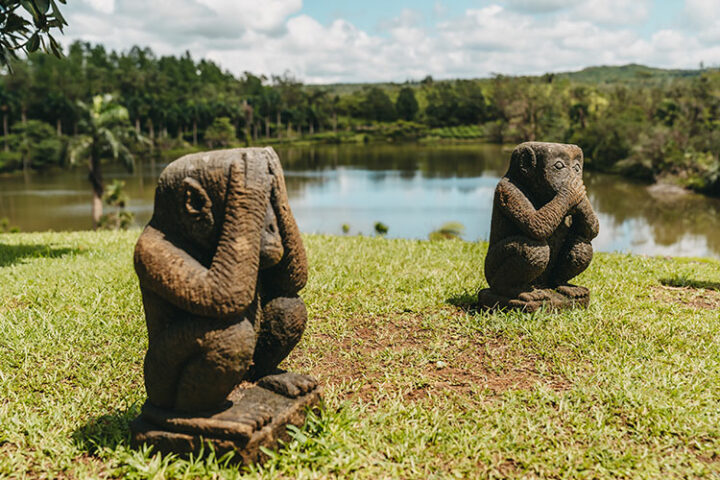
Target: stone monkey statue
x=541, y=228
x=220, y=265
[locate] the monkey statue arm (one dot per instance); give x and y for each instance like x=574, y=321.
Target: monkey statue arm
x=289, y=276
x=535, y=223
x=585, y=222
x=225, y=289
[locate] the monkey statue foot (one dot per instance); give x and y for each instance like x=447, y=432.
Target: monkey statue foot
x=257, y=417
x=289, y=384
x=535, y=295
x=531, y=301
x=573, y=291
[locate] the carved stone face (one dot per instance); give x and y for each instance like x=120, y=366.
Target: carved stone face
x=191, y=201
x=545, y=168
x=560, y=166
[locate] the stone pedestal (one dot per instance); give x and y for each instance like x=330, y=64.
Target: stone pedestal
x=255, y=417
x=544, y=298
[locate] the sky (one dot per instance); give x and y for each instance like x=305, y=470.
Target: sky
x=397, y=40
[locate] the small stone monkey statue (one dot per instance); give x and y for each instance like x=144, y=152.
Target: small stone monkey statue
x=220, y=265
x=541, y=228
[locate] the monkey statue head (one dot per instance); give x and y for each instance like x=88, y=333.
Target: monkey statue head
x=190, y=205
x=545, y=168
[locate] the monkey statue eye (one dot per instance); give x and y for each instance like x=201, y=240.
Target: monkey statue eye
x=559, y=165
x=576, y=167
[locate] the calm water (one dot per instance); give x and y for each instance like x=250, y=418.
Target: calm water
x=412, y=189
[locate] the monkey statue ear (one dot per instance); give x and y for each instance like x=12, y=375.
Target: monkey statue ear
x=525, y=157
x=197, y=203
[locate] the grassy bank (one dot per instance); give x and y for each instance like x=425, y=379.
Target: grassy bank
x=417, y=384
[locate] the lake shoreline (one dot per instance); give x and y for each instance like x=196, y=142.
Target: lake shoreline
x=665, y=186
x=674, y=180
x=411, y=188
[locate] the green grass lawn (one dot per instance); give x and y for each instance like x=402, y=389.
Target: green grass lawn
x=417, y=384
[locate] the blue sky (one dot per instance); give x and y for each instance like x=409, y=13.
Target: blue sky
x=370, y=15
x=395, y=40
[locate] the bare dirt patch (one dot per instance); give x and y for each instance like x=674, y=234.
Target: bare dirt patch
x=13, y=304
x=697, y=298
x=398, y=357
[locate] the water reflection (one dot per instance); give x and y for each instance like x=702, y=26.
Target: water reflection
x=413, y=189
x=634, y=219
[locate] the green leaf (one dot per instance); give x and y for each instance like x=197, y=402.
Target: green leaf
x=15, y=22
x=56, y=12
x=33, y=43
x=42, y=6
x=56, y=50
x=28, y=5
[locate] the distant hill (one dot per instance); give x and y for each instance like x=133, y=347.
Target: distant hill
x=631, y=73
x=626, y=74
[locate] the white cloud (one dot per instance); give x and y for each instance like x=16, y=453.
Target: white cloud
x=674, y=48
x=103, y=6
x=272, y=37
x=702, y=12
x=540, y=6
x=711, y=34
x=703, y=18
x=614, y=12
x=265, y=15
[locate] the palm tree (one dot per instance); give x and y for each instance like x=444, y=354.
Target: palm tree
x=105, y=128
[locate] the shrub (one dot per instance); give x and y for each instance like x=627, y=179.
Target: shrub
x=448, y=231
x=38, y=143
x=221, y=133
x=10, y=161
x=380, y=228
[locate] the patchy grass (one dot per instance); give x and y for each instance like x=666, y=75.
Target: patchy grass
x=417, y=383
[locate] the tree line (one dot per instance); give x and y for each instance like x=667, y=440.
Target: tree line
x=650, y=129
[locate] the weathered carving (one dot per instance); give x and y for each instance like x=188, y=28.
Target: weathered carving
x=220, y=265
x=542, y=225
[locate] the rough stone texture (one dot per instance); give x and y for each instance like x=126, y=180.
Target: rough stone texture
x=220, y=265
x=256, y=418
x=542, y=225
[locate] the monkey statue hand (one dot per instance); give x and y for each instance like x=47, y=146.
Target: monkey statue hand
x=290, y=274
x=248, y=195
x=279, y=191
x=573, y=192
x=248, y=180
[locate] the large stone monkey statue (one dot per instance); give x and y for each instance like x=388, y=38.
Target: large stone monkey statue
x=542, y=225
x=220, y=265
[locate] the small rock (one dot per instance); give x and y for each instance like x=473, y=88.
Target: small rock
x=440, y=364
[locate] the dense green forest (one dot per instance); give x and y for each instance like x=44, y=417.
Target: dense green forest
x=634, y=120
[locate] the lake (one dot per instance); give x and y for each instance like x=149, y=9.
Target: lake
x=413, y=189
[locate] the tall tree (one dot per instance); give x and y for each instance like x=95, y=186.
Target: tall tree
x=8, y=102
x=38, y=144
x=105, y=128
x=378, y=106
x=406, y=104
